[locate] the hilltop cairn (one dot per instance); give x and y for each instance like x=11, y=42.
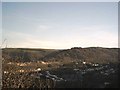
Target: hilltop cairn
x=76, y=47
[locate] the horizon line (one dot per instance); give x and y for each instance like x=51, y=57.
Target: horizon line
x=54, y=48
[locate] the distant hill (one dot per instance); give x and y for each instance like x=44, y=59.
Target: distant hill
x=91, y=54
x=25, y=54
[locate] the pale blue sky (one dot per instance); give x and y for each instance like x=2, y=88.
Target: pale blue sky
x=0, y=23
x=60, y=25
x=59, y=0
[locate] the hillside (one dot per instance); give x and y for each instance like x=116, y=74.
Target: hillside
x=48, y=68
x=25, y=54
x=91, y=54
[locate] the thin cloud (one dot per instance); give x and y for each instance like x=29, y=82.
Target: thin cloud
x=43, y=27
x=50, y=26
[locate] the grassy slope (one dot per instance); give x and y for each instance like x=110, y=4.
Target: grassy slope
x=62, y=67
x=25, y=54
x=93, y=54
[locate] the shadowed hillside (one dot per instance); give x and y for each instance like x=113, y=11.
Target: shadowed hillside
x=25, y=54
x=92, y=67
x=92, y=54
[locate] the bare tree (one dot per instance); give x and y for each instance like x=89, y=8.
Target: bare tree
x=3, y=43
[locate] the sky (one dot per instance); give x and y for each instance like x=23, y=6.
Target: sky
x=119, y=25
x=60, y=25
x=59, y=0
x=0, y=24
